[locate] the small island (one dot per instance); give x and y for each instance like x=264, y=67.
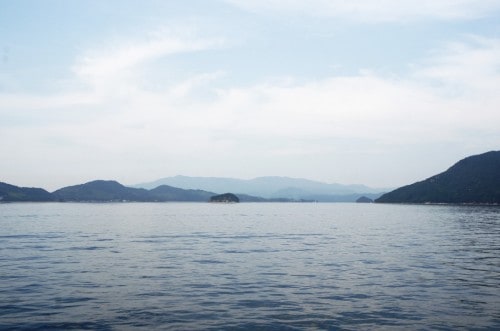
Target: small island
x=226, y=198
x=364, y=199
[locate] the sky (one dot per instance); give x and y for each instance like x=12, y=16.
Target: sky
x=381, y=93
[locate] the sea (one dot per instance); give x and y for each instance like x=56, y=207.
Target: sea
x=249, y=266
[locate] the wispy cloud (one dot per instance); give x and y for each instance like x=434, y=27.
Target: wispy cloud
x=468, y=67
x=107, y=77
x=115, y=65
x=450, y=97
x=376, y=11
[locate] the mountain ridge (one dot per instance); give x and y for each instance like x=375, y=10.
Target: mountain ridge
x=268, y=187
x=113, y=191
x=12, y=193
x=110, y=190
x=474, y=179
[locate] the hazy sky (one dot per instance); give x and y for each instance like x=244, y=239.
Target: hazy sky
x=382, y=93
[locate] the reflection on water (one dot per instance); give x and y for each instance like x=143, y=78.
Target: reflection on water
x=249, y=266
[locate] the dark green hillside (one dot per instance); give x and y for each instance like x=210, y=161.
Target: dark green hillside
x=226, y=197
x=169, y=193
x=105, y=191
x=101, y=190
x=475, y=179
x=10, y=192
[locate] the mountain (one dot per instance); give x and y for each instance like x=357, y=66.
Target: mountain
x=10, y=192
x=268, y=187
x=101, y=190
x=341, y=197
x=169, y=193
x=475, y=179
x=251, y=198
x=108, y=190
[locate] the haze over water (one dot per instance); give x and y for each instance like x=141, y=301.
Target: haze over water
x=248, y=266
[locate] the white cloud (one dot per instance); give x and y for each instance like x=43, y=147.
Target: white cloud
x=367, y=107
x=184, y=88
x=376, y=11
x=19, y=101
x=273, y=127
x=470, y=67
x=109, y=78
x=113, y=68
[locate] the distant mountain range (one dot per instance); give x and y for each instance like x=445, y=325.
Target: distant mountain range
x=112, y=191
x=475, y=179
x=271, y=187
x=101, y=191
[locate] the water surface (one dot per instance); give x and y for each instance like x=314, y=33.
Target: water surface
x=264, y=266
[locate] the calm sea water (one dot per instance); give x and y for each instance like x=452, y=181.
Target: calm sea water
x=190, y=266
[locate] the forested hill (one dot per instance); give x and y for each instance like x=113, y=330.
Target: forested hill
x=109, y=190
x=112, y=191
x=475, y=179
x=101, y=191
x=10, y=192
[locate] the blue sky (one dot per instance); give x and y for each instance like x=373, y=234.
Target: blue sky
x=357, y=92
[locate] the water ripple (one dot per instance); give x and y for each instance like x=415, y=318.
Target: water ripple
x=253, y=267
